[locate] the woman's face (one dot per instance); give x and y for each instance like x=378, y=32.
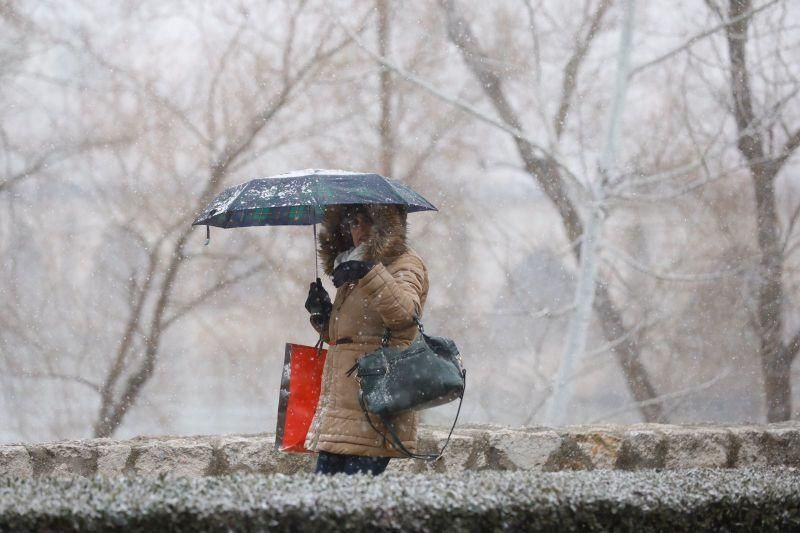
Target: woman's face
x=360, y=227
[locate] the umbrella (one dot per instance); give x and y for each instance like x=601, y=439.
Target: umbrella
x=299, y=198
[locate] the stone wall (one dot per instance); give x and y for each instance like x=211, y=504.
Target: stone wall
x=636, y=447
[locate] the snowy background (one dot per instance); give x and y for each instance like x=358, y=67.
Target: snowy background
x=120, y=120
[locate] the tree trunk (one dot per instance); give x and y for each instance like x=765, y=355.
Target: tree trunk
x=385, y=127
x=777, y=387
x=776, y=359
x=628, y=355
x=777, y=384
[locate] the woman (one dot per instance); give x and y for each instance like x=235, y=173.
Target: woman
x=381, y=283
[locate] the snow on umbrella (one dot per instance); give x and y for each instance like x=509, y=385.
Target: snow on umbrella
x=299, y=198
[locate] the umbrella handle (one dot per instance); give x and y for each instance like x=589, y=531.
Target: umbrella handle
x=208, y=235
x=316, y=261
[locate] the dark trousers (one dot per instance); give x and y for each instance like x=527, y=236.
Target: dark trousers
x=334, y=463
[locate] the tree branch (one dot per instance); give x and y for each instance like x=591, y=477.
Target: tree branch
x=57, y=154
x=212, y=89
x=791, y=348
x=459, y=104
x=545, y=169
x=786, y=152
x=233, y=149
x=664, y=276
x=203, y=296
x=658, y=400
x=750, y=142
x=126, y=342
x=573, y=65
x=699, y=37
x=55, y=375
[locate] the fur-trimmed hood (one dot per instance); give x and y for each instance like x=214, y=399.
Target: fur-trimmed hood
x=386, y=242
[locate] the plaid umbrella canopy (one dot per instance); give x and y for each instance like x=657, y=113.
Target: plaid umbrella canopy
x=299, y=198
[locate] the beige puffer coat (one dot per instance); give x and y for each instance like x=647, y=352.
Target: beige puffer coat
x=390, y=294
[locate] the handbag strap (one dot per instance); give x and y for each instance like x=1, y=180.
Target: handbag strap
x=395, y=441
x=318, y=345
x=387, y=333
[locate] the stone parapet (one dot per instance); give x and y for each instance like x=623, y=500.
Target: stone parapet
x=472, y=448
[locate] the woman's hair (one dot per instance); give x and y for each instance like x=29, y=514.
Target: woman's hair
x=351, y=211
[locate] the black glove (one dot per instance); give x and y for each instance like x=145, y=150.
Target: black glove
x=318, y=301
x=351, y=271
x=320, y=323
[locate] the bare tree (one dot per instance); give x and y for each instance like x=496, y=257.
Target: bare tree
x=214, y=131
x=548, y=172
x=167, y=256
x=755, y=144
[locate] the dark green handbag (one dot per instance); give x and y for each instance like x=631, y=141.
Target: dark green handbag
x=425, y=374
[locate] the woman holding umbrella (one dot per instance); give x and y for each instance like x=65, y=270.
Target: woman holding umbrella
x=381, y=283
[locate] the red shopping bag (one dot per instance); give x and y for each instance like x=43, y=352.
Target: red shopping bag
x=300, y=386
